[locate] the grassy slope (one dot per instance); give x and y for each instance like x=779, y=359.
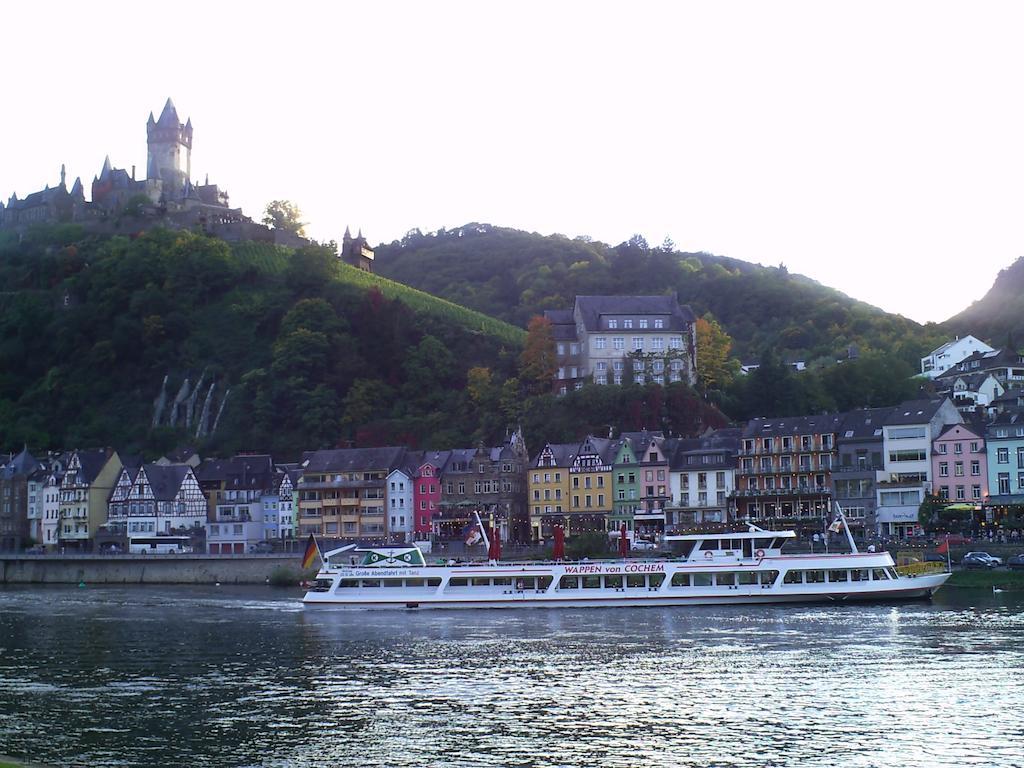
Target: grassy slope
x=269, y=258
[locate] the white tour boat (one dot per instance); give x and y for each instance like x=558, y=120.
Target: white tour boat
x=713, y=569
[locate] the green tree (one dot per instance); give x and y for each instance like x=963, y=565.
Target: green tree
x=715, y=369
x=538, y=363
x=284, y=215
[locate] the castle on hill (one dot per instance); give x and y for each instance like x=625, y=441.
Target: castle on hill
x=166, y=197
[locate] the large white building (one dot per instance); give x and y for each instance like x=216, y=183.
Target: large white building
x=624, y=339
x=949, y=354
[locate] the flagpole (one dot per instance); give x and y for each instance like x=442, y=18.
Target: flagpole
x=949, y=558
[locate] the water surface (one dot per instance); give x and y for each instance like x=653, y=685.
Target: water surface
x=245, y=676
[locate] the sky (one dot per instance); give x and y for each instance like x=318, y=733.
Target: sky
x=877, y=147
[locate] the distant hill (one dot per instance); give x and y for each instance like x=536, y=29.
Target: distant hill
x=513, y=275
x=999, y=315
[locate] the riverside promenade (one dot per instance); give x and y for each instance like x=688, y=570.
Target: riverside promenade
x=144, y=569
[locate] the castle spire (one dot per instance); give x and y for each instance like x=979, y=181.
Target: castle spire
x=348, y=234
x=169, y=113
x=106, y=168
x=63, y=175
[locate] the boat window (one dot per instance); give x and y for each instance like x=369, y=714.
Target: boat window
x=613, y=582
x=324, y=585
x=892, y=573
x=433, y=582
x=815, y=577
x=414, y=582
x=348, y=583
x=543, y=582
x=763, y=543
x=525, y=583
x=458, y=582
x=481, y=582
x=680, y=580
x=569, y=582
x=726, y=579
x=879, y=574
x=685, y=548
x=503, y=582
x=793, y=577
x=656, y=580
x=708, y=544
x=838, y=576
x=748, y=550
x=769, y=577
x=702, y=579
x=747, y=577
x=392, y=582
x=635, y=581
x=859, y=574
x=591, y=582
x=371, y=582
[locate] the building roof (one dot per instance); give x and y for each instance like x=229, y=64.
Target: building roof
x=165, y=480
x=914, y=411
x=353, y=459
x=794, y=425
x=92, y=462
x=970, y=429
x=864, y=423
x=592, y=308
x=22, y=465
x=250, y=472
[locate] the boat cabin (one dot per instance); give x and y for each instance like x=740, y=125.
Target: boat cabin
x=749, y=545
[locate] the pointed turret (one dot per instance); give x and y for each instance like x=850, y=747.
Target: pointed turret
x=169, y=114
x=63, y=175
x=151, y=121
x=76, y=189
x=105, y=172
x=348, y=234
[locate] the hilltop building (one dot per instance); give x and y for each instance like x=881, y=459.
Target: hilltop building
x=356, y=251
x=624, y=339
x=167, y=196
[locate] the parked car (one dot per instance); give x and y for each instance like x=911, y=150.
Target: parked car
x=262, y=547
x=641, y=545
x=980, y=560
x=1017, y=561
x=38, y=549
x=934, y=557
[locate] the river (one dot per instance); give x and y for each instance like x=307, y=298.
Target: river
x=245, y=676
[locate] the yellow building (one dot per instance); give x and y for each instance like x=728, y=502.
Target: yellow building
x=571, y=485
x=84, y=492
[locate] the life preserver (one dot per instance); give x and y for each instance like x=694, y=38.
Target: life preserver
x=708, y=555
x=759, y=554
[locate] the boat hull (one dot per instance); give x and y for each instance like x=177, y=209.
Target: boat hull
x=916, y=588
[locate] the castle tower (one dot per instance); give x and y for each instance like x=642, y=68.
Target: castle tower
x=170, y=149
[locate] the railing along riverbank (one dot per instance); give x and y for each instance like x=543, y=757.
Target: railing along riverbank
x=143, y=569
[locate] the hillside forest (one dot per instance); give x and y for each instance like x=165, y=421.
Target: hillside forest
x=312, y=353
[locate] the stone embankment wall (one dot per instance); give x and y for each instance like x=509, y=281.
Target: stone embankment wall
x=142, y=569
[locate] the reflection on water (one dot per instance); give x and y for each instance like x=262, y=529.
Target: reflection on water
x=247, y=676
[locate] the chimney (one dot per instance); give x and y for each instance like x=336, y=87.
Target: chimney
x=133, y=173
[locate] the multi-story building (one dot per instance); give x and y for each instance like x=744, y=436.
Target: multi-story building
x=84, y=492
x=490, y=482
x=576, y=479
x=960, y=464
x=652, y=469
x=427, y=495
x=549, y=489
x=14, y=493
x=400, y=500
x=279, y=504
x=342, y=492
x=785, y=469
x=702, y=479
x=860, y=466
x=624, y=339
x=1005, y=454
x=51, y=502
x=245, y=482
x=625, y=486
x=1007, y=365
x=160, y=500
x=907, y=437
x=949, y=354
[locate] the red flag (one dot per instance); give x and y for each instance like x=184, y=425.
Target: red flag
x=943, y=548
x=558, y=551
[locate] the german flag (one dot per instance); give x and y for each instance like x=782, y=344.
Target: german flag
x=312, y=553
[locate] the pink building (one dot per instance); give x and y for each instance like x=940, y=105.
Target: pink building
x=426, y=493
x=959, y=466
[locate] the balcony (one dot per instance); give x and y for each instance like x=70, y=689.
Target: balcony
x=779, y=492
